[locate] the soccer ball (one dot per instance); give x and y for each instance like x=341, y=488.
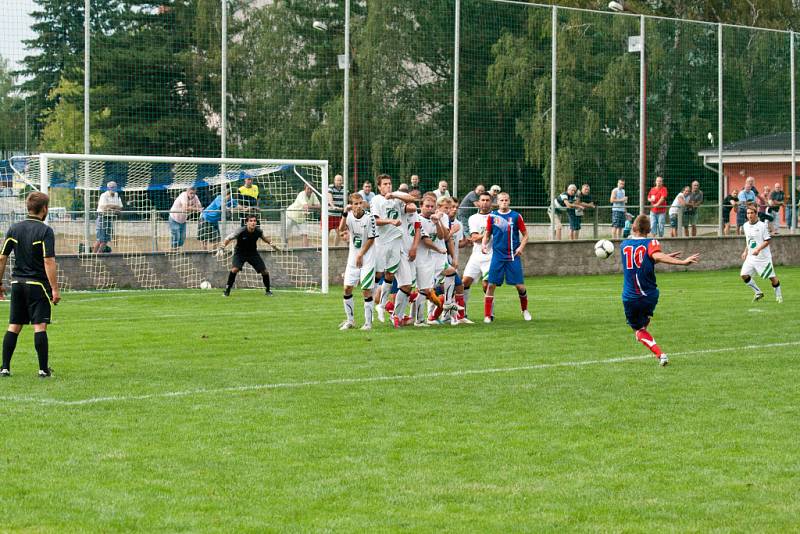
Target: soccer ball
x=603, y=249
x=205, y=284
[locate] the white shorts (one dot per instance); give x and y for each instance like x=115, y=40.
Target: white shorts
x=387, y=256
x=428, y=271
x=406, y=274
x=362, y=278
x=758, y=266
x=478, y=267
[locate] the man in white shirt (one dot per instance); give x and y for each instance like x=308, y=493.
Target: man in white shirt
x=441, y=191
x=297, y=213
x=757, y=256
x=186, y=203
x=387, y=207
x=108, y=207
x=360, y=271
x=478, y=264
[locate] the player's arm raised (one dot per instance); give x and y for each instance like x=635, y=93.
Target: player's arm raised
x=673, y=258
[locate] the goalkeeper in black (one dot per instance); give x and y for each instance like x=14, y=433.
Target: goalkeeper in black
x=246, y=251
x=34, y=288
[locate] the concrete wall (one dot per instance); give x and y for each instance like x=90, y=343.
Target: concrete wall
x=541, y=258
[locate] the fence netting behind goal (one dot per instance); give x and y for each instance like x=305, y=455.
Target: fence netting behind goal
x=147, y=211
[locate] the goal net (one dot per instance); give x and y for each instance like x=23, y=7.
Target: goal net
x=153, y=222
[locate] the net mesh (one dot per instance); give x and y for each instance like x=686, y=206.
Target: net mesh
x=145, y=224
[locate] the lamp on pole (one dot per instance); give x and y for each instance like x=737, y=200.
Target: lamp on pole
x=636, y=44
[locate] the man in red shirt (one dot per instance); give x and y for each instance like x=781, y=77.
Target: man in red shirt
x=658, y=207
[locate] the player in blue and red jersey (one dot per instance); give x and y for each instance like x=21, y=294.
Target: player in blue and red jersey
x=639, y=290
x=509, y=237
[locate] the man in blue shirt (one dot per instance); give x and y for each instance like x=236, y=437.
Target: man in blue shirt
x=505, y=226
x=208, y=229
x=747, y=198
x=639, y=290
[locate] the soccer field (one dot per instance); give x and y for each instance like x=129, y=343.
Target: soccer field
x=185, y=411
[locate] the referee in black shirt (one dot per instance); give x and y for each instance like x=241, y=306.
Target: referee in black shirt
x=246, y=251
x=34, y=288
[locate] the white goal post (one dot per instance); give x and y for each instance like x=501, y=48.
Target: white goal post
x=148, y=185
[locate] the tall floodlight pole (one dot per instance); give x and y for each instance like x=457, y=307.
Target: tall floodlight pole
x=793, y=192
x=346, y=120
x=642, y=118
x=456, y=62
x=553, y=86
x=87, y=147
x=223, y=107
x=720, y=168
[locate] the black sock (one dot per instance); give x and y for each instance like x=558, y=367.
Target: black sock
x=9, y=344
x=40, y=342
x=231, y=279
x=265, y=278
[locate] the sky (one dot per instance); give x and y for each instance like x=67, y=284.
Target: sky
x=15, y=26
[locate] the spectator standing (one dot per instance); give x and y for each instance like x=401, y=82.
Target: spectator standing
x=469, y=204
x=693, y=202
x=442, y=191
x=185, y=204
x=675, y=210
x=414, y=183
x=248, y=194
x=618, y=200
x=658, y=207
x=728, y=203
x=762, y=204
x=208, y=229
x=297, y=213
x=108, y=207
x=335, y=207
x=366, y=191
x=747, y=198
x=584, y=201
x=777, y=200
x=561, y=204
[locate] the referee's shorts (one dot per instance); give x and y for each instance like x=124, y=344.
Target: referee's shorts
x=31, y=302
x=253, y=259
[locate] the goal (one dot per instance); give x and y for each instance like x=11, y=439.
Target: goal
x=142, y=245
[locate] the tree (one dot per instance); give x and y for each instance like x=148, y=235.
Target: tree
x=12, y=114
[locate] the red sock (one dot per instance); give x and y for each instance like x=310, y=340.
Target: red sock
x=460, y=302
x=389, y=307
x=488, y=303
x=436, y=313
x=644, y=337
x=523, y=301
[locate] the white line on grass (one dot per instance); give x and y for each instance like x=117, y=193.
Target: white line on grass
x=372, y=379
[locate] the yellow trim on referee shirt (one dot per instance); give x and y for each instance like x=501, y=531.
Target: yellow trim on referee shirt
x=44, y=248
x=6, y=243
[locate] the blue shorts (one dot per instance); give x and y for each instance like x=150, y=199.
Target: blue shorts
x=510, y=271
x=574, y=221
x=639, y=311
x=618, y=219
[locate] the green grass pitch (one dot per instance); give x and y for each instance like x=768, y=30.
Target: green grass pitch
x=184, y=411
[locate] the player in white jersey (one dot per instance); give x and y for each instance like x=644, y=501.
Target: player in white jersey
x=432, y=260
x=406, y=274
x=447, y=278
x=478, y=265
x=360, y=271
x=757, y=256
x=387, y=207
x=458, y=237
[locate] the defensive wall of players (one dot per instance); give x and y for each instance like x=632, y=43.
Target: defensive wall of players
x=541, y=258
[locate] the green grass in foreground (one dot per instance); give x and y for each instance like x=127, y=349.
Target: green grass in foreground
x=184, y=411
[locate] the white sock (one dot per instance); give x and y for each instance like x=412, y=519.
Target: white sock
x=466, y=299
x=348, y=308
x=777, y=291
x=400, y=303
x=387, y=290
x=752, y=284
x=421, y=300
x=449, y=288
x=369, y=306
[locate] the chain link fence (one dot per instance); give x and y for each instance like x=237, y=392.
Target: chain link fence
x=527, y=97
